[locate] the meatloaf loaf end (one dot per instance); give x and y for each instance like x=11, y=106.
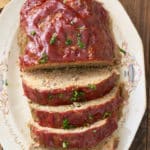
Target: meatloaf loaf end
x=62, y=87
x=77, y=114
x=54, y=33
x=84, y=137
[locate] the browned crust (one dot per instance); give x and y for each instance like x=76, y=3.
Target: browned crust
x=69, y=65
x=22, y=40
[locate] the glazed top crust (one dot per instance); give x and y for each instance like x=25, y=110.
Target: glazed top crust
x=65, y=31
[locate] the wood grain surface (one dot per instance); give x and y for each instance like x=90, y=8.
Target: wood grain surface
x=139, y=12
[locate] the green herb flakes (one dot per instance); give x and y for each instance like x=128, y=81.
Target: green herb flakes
x=79, y=41
x=65, y=145
x=50, y=96
x=68, y=42
x=53, y=39
x=106, y=115
x=122, y=51
x=33, y=33
x=66, y=124
x=81, y=44
x=6, y=83
x=43, y=59
x=78, y=105
x=92, y=86
x=91, y=117
x=76, y=95
x=64, y=1
x=60, y=95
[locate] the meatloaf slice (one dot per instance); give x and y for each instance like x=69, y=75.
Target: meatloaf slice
x=110, y=143
x=70, y=33
x=84, y=137
x=62, y=87
x=77, y=114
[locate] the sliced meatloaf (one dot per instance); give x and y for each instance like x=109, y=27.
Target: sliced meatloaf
x=58, y=33
x=84, y=137
x=110, y=143
x=77, y=114
x=66, y=86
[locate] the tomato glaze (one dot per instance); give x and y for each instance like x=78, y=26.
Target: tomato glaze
x=65, y=31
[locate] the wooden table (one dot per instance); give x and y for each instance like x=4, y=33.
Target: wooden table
x=139, y=11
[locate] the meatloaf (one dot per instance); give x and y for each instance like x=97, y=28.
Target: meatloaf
x=66, y=86
x=70, y=76
x=84, y=137
x=78, y=114
x=58, y=33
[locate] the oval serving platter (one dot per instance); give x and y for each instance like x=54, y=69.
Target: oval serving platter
x=14, y=111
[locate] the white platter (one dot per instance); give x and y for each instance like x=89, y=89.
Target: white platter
x=14, y=111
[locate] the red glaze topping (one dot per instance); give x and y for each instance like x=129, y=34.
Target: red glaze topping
x=77, y=118
x=71, y=31
x=86, y=139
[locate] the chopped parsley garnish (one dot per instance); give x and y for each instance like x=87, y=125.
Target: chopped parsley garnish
x=81, y=44
x=76, y=95
x=53, y=39
x=65, y=145
x=6, y=83
x=79, y=41
x=68, y=42
x=90, y=117
x=122, y=51
x=50, y=96
x=33, y=33
x=106, y=115
x=66, y=124
x=92, y=86
x=43, y=59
